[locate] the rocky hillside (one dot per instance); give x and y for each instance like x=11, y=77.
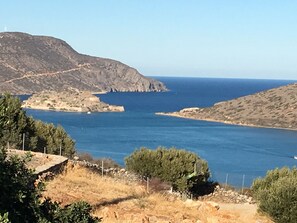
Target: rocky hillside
x=275, y=108
x=30, y=64
x=69, y=101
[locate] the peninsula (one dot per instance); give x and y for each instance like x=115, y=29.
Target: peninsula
x=69, y=101
x=274, y=108
x=30, y=64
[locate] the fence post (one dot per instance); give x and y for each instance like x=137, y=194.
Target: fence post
x=23, y=141
x=243, y=176
x=44, y=150
x=60, y=150
x=102, y=167
x=226, y=183
x=147, y=185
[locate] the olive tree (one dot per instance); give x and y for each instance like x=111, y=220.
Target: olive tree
x=276, y=194
x=181, y=168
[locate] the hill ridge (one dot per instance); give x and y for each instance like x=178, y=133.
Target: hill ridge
x=30, y=64
x=274, y=108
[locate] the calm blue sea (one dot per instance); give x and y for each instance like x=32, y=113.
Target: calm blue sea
x=236, y=154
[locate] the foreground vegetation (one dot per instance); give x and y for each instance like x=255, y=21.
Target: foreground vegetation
x=15, y=124
x=184, y=170
x=277, y=194
x=20, y=199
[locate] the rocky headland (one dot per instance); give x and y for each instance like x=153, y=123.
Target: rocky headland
x=30, y=64
x=274, y=108
x=69, y=101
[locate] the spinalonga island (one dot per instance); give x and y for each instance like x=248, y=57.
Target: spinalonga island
x=69, y=101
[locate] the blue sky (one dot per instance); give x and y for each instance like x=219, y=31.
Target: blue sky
x=203, y=38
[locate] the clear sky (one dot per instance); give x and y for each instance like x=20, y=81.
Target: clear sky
x=203, y=38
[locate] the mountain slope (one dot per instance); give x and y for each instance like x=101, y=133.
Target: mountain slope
x=275, y=108
x=31, y=64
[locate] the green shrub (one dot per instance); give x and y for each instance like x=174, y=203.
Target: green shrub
x=76, y=212
x=14, y=122
x=53, y=137
x=184, y=170
x=18, y=195
x=277, y=194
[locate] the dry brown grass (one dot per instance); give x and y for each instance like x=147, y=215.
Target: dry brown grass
x=78, y=183
x=119, y=201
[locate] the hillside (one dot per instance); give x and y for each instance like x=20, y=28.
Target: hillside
x=275, y=108
x=119, y=200
x=69, y=101
x=30, y=64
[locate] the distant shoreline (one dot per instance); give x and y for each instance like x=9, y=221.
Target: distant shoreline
x=221, y=121
x=69, y=101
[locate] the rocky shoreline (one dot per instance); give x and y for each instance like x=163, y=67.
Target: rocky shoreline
x=69, y=101
x=179, y=115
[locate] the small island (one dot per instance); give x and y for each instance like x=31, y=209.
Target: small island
x=69, y=101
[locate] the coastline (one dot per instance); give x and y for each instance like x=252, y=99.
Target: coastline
x=74, y=111
x=67, y=101
x=54, y=110
x=175, y=114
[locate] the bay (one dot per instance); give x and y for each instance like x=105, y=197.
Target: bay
x=235, y=154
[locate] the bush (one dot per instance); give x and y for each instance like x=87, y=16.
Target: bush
x=277, y=194
x=76, y=212
x=18, y=195
x=53, y=137
x=184, y=170
x=14, y=122
x=107, y=162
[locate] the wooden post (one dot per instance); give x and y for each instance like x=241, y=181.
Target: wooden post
x=147, y=185
x=23, y=141
x=60, y=150
x=102, y=167
x=227, y=175
x=8, y=145
x=242, y=186
x=44, y=150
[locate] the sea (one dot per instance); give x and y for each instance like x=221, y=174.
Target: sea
x=236, y=155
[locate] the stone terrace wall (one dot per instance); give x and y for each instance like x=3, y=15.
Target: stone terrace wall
x=42, y=163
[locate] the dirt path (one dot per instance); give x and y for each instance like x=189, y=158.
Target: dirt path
x=246, y=213
x=47, y=74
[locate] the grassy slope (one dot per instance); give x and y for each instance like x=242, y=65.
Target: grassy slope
x=119, y=201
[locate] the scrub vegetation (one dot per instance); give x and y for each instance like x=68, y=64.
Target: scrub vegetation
x=277, y=194
x=17, y=127
x=184, y=170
